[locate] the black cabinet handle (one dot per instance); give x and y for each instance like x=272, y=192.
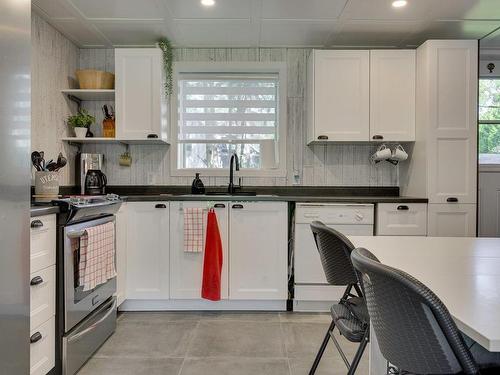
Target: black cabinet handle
x=238, y=206
x=378, y=136
x=452, y=200
x=322, y=137
x=37, y=280
x=154, y=136
x=403, y=208
x=36, y=224
x=219, y=205
x=37, y=336
x=160, y=205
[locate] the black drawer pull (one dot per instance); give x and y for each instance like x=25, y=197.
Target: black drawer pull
x=160, y=205
x=37, y=336
x=452, y=200
x=36, y=224
x=378, y=136
x=152, y=136
x=37, y=280
x=322, y=137
x=238, y=206
x=403, y=208
x=219, y=205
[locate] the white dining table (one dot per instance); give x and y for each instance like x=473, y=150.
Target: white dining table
x=463, y=272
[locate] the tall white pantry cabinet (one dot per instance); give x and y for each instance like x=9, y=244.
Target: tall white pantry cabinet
x=443, y=166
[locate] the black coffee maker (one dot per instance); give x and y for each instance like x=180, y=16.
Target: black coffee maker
x=95, y=182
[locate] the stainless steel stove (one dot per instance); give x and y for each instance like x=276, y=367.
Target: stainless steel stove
x=85, y=318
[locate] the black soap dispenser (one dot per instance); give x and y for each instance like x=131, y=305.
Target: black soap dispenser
x=197, y=186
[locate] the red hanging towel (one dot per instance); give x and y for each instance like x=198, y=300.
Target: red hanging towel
x=212, y=262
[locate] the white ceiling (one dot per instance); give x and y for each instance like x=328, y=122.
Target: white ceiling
x=272, y=23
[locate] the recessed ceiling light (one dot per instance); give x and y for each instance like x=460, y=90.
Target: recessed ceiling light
x=208, y=3
x=399, y=3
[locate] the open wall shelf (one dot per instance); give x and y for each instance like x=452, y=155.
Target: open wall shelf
x=90, y=95
x=94, y=140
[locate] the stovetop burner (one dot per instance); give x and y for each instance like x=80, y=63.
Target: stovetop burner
x=77, y=208
x=89, y=200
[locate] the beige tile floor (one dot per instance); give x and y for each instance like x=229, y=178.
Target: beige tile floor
x=209, y=343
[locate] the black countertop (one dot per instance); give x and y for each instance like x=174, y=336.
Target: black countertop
x=342, y=194
x=275, y=198
x=348, y=194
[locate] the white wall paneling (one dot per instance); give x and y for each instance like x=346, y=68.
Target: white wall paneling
x=489, y=203
x=345, y=164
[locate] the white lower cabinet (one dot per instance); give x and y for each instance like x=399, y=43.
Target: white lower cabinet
x=42, y=348
x=255, y=256
x=42, y=294
x=401, y=219
x=186, y=268
x=147, y=269
x=258, y=251
x=452, y=220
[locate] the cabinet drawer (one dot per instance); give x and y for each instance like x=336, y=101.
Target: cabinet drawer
x=42, y=296
x=42, y=348
x=401, y=219
x=42, y=242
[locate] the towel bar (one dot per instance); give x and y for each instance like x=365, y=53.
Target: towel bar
x=76, y=234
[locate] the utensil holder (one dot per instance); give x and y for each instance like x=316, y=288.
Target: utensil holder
x=46, y=183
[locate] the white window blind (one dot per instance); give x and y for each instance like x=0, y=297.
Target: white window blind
x=219, y=114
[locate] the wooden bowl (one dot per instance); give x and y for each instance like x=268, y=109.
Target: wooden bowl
x=95, y=79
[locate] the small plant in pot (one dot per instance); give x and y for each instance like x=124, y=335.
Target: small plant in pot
x=81, y=122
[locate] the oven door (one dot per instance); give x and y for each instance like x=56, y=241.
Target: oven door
x=79, y=304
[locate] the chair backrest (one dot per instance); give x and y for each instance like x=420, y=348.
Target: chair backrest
x=335, y=253
x=414, y=329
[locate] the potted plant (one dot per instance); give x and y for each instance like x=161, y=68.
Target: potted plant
x=81, y=122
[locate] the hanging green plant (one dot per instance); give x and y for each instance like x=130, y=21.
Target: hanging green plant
x=168, y=58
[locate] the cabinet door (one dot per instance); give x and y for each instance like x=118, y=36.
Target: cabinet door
x=452, y=145
x=147, y=250
x=392, y=95
x=121, y=254
x=452, y=220
x=258, y=261
x=341, y=95
x=402, y=219
x=186, y=269
x=138, y=83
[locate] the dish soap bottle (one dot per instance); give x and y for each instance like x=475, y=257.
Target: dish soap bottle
x=197, y=186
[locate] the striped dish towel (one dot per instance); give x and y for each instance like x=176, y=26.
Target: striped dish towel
x=97, y=256
x=193, y=230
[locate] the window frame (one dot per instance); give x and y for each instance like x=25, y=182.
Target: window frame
x=187, y=68
x=486, y=167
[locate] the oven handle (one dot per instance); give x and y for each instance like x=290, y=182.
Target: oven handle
x=76, y=234
x=112, y=307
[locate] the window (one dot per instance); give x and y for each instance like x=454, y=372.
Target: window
x=219, y=114
x=489, y=121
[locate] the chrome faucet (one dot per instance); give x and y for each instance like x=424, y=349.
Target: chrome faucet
x=231, y=188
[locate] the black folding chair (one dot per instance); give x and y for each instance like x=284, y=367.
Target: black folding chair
x=349, y=315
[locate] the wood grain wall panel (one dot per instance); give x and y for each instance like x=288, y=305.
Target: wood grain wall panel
x=54, y=61
x=319, y=165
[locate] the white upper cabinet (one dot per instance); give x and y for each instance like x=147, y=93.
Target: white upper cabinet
x=338, y=95
x=258, y=254
x=392, y=95
x=147, y=250
x=186, y=268
x=141, y=108
x=361, y=95
x=452, y=148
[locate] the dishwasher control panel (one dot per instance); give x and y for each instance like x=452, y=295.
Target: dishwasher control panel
x=335, y=213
